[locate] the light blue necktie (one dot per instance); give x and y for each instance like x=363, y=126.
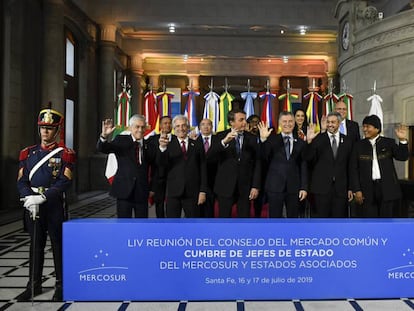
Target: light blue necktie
x=342, y=128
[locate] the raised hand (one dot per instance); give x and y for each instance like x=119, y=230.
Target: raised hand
x=230, y=136
x=193, y=135
x=264, y=130
x=311, y=133
x=324, y=121
x=107, y=128
x=163, y=141
x=402, y=132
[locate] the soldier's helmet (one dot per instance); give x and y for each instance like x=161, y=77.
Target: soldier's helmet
x=50, y=117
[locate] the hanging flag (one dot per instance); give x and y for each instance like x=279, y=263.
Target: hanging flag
x=312, y=111
x=123, y=110
x=267, y=111
x=151, y=113
x=330, y=100
x=224, y=107
x=347, y=99
x=164, y=103
x=249, y=97
x=287, y=100
x=376, y=107
x=122, y=116
x=211, y=108
x=190, y=108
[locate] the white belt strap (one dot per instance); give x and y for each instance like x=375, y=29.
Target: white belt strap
x=40, y=163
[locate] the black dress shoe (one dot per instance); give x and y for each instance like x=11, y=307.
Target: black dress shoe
x=27, y=294
x=58, y=295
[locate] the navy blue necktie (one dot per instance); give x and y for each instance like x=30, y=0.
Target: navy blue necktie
x=238, y=144
x=287, y=147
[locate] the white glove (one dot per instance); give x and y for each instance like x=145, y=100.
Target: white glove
x=34, y=200
x=34, y=210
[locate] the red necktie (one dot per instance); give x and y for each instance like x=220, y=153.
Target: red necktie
x=183, y=149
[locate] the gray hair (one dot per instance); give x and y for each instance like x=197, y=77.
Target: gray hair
x=137, y=117
x=286, y=113
x=180, y=117
x=335, y=114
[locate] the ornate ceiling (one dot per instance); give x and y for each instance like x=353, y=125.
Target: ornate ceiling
x=222, y=32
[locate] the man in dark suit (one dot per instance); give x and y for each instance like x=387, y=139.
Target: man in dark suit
x=286, y=180
x=347, y=127
x=351, y=129
x=328, y=155
x=134, y=156
x=185, y=164
x=158, y=178
x=374, y=179
x=207, y=139
x=252, y=127
x=238, y=172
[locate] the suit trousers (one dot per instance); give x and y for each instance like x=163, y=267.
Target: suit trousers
x=378, y=207
x=124, y=209
x=175, y=206
x=330, y=205
x=207, y=208
x=258, y=204
x=226, y=204
x=276, y=201
x=160, y=209
x=159, y=200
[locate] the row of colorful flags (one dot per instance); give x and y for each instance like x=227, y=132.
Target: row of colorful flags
x=216, y=108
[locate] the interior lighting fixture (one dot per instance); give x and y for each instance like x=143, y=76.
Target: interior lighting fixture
x=171, y=28
x=285, y=59
x=302, y=30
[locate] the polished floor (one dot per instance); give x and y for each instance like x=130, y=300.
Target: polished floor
x=14, y=248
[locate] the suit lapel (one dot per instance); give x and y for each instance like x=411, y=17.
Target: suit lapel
x=329, y=144
x=132, y=153
x=295, y=147
x=191, y=147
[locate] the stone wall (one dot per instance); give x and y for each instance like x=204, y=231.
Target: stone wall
x=383, y=52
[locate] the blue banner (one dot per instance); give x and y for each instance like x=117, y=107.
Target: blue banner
x=183, y=259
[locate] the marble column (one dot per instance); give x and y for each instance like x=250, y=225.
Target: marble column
x=154, y=81
x=194, y=81
x=275, y=87
x=53, y=55
x=274, y=83
x=136, y=88
x=106, y=91
x=313, y=83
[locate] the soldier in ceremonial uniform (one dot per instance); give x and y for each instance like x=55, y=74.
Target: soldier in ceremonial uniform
x=45, y=173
